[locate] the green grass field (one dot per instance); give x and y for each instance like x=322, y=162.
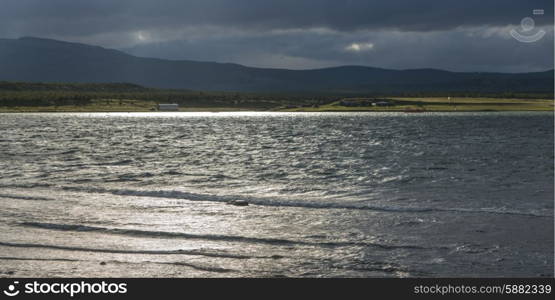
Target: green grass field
x=431, y=104
x=115, y=105
x=443, y=104
x=95, y=106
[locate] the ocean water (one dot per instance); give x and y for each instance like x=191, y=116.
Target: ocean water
x=329, y=194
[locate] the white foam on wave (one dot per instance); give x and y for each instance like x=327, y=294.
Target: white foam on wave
x=281, y=202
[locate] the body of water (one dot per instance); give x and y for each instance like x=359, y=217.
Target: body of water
x=329, y=194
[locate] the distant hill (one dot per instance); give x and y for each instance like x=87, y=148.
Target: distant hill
x=73, y=87
x=43, y=60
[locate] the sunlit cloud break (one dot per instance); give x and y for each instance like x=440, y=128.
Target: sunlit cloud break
x=359, y=47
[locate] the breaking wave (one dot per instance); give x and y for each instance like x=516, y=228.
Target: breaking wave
x=212, y=237
x=120, y=251
x=279, y=202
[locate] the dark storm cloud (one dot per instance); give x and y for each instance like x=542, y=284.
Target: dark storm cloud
x=88, y=17
x=449, y=34
x=479, y=49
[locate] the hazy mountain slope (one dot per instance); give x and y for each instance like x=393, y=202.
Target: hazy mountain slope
x=34, y=59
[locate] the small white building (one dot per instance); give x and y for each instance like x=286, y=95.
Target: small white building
x=168, y=107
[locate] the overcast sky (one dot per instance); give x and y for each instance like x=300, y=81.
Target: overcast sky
x=457, y=35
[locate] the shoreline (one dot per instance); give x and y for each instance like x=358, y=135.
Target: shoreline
x=253, y=110
x=400, y=104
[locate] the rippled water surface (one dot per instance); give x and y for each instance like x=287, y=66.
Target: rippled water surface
x=330, y=195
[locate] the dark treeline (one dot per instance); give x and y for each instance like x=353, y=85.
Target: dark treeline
x=83, y=87
x=59, y=94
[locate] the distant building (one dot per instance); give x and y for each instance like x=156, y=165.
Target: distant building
x=168, y=107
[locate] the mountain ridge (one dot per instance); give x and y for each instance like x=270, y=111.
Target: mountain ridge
x=46, y=60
